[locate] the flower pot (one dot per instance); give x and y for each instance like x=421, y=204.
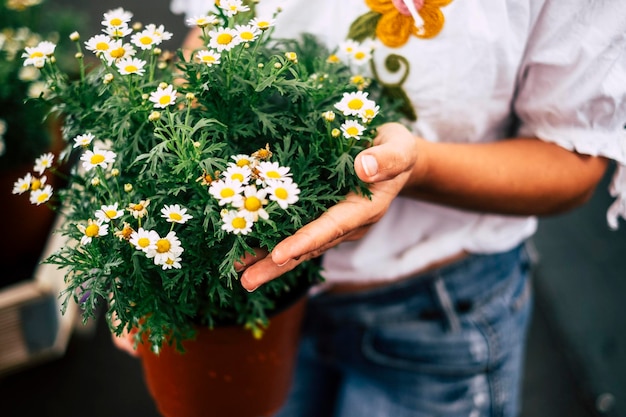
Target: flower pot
x=226, y=371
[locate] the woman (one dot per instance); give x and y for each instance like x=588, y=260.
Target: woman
x=520, y=106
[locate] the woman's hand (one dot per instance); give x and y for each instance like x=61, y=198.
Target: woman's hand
x=386, y=166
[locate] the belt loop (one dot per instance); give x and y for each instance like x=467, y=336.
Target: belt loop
x=446, y=304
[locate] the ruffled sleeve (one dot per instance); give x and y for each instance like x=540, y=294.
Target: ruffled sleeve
x=573, y=83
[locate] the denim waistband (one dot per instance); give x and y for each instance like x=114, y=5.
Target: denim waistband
x=460, y=286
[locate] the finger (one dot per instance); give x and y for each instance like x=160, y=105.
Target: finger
x=395, y=152
x=327, y=230
x=250, y=259
x=125, y=343
x=265, y=270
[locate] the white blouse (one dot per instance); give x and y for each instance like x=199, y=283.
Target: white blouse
x=553, y=69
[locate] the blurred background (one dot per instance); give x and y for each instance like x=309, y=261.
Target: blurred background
x=576, y=361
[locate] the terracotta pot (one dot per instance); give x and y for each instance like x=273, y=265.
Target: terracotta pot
x=225, y=371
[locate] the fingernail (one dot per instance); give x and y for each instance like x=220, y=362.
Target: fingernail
x=284, y=263
x=252, y=289
x=370, y=165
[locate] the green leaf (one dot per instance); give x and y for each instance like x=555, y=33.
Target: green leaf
x=365, y=26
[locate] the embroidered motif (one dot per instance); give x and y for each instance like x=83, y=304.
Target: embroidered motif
x=393, y=22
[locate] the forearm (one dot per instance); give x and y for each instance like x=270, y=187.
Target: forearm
x=519, y=176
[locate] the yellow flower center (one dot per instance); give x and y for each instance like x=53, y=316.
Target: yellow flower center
x=130, y=68
x=35, y=184
x=352, y=131
x=176, y=216
x=163, y=245
x=111, y=213
x=369, y=113
x=169, y=261
x=43, y=197
x=102, y=46
x=237, y=176
x=36, y=54
x=117, y=53
x=355, y=104
x=272, y=174
x=165, y=100
x=116, y=21
x=281, y=193
x=252, y=204
x=359, y=55
x=243, y=162
x=137, y=207
x=92, y=230
x=208, y=58
x=143, y=242
x=145, y=40
x=227, y=192
x=97, y=159
x=224, y=38
x=239, y=223
x=264, y=24
x=247, y=36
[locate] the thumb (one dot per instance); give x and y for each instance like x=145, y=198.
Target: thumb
x=394, y=152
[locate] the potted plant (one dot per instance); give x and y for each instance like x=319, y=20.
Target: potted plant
x=25, y=133
x=187, y=163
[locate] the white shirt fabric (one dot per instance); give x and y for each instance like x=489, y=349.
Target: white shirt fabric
x=556, y=69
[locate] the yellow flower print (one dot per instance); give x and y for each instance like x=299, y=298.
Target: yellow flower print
x=396, y=22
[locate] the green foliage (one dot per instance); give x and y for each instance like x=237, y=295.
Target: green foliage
x=24, y=130
x=266, y=100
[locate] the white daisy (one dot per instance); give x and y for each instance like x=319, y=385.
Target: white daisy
x=352, y=129
x=247, y=33
x=116, y=17
x=117, y=32
x=139, y=210
x=352, y=103
x=236, y=173
x=43, y=162
x=172, y=263
x=232, y=7
x=223, y=39
x=253, y=202
x=145, y=39
x=263, y=23
x=128, y=66
x=83, y=140
x=273, y=171
x=361, y=54
x=22, y=185
x=118, y=50
x=202, y=21
x=284, y=193
x=226, y=191
x=159, y=33
x=165, y=248
x=208, y=57
x=41, y=196
x=175, y=214
x=163, y=97
x=97, y=158
x=242, y=160
x=38, y=183
x=369, y=111
x=92, y=230
x=237, y=222
x=99, y=44
x=38, y=54
x=108, y=213
x=349, y=46
x=144, y=240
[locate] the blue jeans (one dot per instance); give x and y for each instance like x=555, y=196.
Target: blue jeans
x=446, y=343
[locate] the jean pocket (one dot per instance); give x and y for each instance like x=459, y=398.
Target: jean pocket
x=426, y=346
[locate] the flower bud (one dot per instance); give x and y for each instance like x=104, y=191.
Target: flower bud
x=163, y=85
x=278, y=65
x=78, y=55
x=329, y=115
x=335, y=133
x=154, y=116
x=157, y=51
x=108, y=78
x=115, y=172
x=74, y=36
x=190, y=96
x=128, y=187
x=95, y=181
